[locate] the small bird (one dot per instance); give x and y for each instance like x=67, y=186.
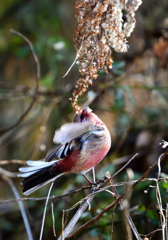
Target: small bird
x=81, y=145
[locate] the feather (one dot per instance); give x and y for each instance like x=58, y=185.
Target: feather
x=67, y=134
x=53, y=153
x=33, y=189
x=35, y=165
x=71, y=131
x=59, y=151
x=26, y=174
x=37, y=174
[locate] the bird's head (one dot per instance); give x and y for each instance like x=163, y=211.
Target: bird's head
x=86, y=115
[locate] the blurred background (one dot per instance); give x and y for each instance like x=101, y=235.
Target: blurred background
x=131, y=100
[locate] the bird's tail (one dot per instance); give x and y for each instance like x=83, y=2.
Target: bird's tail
x=37, y=174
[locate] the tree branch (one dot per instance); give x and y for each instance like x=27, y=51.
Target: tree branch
x=113, y=204
x=3, y=130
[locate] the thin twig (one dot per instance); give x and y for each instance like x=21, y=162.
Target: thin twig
x=44, y=121
x=94, y=176
x=121, y=168
x=167, y=221
x=21, y=206
x=53, y=218
x=113, y=211
x=76, y=217
x=127, y=221
x=91, y=221
x=62, y=233
x=21, y=118
x=76, y=58
x=45, y=209
x=159, y=201
x=53, y=198
x=7, y=173
x=112, y=221
x=3, y=162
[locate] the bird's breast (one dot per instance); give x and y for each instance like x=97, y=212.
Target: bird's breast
x=94, y=149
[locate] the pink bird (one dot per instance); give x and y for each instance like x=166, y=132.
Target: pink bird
x=81, y=145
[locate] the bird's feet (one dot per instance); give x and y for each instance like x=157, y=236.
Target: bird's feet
x=95, y=184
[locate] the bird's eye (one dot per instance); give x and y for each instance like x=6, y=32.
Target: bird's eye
x=82, y=117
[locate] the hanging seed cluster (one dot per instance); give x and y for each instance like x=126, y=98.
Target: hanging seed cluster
x=102, y=25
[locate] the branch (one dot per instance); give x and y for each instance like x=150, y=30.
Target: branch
x=3, y=130
x=81, y=210
x=44, y=198
x=3, y=162
x=7, y=173
x=118, y=199
x=21, y=206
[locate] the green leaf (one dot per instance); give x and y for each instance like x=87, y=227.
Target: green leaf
x=152, y=216
x=47, y=81
x=94, y=233
x=106, y=236
x=165, y=185
x=138, y=210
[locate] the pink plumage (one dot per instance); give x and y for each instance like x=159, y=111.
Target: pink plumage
x=81, y=145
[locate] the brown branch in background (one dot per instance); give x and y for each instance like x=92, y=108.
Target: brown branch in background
x=80, y=211
x=15, y=90
x=127, y=218
x=137, y=113
x=53, y=218
x=3, y=130
x=7, y=173
x=86, y=203
x=4, y=162
x=112, y=222
x=54, y=198
x=21, y=206
x=44, y=120
x=125, y=206
x=118, y=199
x=20, y=89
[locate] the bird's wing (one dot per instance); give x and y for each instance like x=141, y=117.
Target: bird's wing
x=59, y=151
x=66, y=135
x=71, y=131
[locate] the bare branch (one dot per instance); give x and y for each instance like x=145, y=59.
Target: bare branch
x=125, y=207
x=76, y=217
x=3, y=162
x=45, y=209
x=7, y=173
x=91, y=221
x=126, y=214
x=21, y=206
x=53, y=219
x=53, y=198
x=3, y=130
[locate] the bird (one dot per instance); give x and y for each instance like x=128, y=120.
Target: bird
x=80, y=146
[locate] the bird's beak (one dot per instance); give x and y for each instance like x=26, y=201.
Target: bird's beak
x=87, y=110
